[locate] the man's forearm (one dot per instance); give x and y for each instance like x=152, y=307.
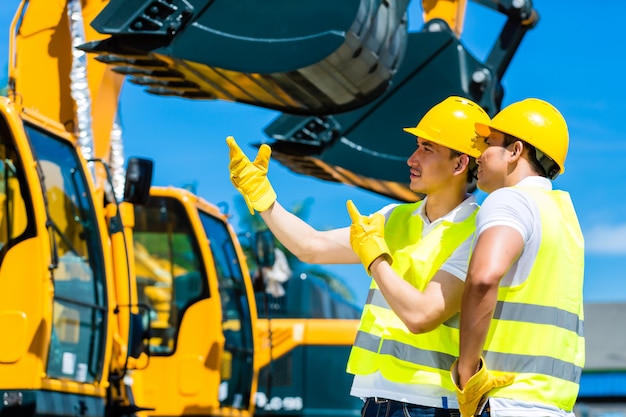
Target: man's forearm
x=476, y=313
x=307, y=243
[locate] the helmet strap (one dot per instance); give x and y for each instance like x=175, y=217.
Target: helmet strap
x=550, y=167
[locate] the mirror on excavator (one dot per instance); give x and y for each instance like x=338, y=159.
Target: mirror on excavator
x=138, y=180
x=265, y=246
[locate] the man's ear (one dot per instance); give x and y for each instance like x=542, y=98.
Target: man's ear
x=462, y=162
x=518, y=148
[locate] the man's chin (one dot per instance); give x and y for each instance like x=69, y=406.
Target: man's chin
x=418, y=190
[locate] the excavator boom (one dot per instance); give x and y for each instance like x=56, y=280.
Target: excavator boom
x=45, y=69
x=367, y=147
x=347, y=76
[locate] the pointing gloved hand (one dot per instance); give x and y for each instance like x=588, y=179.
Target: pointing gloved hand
x=477, y=388
x=250, y=178
x=367, y=236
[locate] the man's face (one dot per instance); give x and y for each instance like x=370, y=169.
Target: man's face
x=492, y=162
x=431, y=167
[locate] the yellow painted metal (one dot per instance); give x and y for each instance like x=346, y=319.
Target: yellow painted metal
x=40, y=63
x=26, y=284
x=39, y=94
x=451, y=11
x=289, y=333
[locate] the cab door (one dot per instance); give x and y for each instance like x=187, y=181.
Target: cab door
x=237, y=369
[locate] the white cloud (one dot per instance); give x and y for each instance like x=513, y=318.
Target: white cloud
x=606, y=239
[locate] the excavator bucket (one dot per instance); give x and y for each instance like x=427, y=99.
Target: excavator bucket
x=367, y=147
x=299, y=57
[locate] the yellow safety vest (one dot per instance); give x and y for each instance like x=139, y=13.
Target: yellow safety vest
x=383, y=342
x=537, y=328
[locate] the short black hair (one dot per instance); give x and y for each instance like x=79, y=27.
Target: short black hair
x=471, y=168
x=541, y=163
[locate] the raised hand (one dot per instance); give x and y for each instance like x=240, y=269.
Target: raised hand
x=250, y=178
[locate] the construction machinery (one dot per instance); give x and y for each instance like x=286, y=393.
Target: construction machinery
x=78, y=338
x=191, y=269
x=192, y=272
x=311, y=328
x=90, y=331
x=73, y=328
x=346, y=76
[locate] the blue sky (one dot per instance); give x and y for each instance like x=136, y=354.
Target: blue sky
x=573, y=58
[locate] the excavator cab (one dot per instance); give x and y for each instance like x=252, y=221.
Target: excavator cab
x=190, y=272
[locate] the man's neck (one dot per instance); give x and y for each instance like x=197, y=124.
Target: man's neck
x=437, y=206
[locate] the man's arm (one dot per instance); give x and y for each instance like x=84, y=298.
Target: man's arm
x=305, y=242
x=496, y=249
x=420, y=311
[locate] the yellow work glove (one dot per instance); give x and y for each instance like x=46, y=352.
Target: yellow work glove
x=367, y=236
x=477, y=388
x=250, y=178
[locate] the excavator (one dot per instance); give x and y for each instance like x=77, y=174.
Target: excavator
x=72, y=325
x=90, y=331
x=191, y=271
x=186, y=253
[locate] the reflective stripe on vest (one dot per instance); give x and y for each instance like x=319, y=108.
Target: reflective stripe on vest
x=383, y=342
x=537, y=328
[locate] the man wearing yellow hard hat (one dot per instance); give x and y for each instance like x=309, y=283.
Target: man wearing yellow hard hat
x=522, y=309
x=416, y=253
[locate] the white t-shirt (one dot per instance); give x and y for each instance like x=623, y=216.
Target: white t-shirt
x=512, y=207
x=375, y=385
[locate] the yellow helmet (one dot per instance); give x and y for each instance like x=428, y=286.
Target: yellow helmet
x=537, y=122
x=452, y=123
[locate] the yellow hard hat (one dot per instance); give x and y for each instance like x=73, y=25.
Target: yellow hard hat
x=536, y=122
x=452, y=123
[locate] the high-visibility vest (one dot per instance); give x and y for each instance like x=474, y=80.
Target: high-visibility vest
x=537, y=328
x=383, y=342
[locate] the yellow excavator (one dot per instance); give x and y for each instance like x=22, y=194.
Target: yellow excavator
x=67, y=292
x=188, y=270
x=192, y=273
x=91, y=328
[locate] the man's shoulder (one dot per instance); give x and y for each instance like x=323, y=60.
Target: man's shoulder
x=507, y=196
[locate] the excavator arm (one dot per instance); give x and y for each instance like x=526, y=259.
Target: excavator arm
x=366, y=147
x=46, y=72
x=347, y=76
